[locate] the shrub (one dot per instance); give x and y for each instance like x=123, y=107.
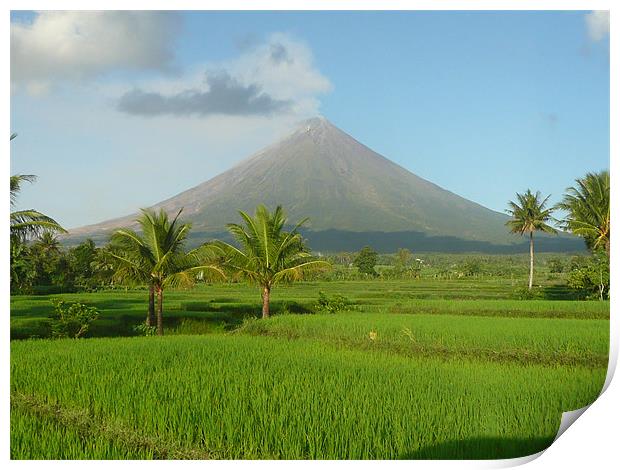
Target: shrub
x=334, y=305
x=555, y=265
x=71, y=320
x=470, y=267
x=145, y=330
x=589, y=277
x=523, y=293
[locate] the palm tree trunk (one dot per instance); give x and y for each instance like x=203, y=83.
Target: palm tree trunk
x=607, y=247
x=531, y=260
x=150, y=316
x=266, y=290
x=160, y=311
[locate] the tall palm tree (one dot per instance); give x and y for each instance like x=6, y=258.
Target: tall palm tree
x=157, y=257
x=266, y=253
x=28, y=223
x=587, y=205
x=529, y=215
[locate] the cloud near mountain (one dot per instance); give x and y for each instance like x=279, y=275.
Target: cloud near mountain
x=225, y=95
x=277, y=76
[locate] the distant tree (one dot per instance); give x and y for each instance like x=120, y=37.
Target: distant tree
x=587, y=205
x=48, y=259
x=344, y=258
x=23, y=269
x=403, y=257
x=589, y=275
x=556, y=265
x=470, y=267
x=48, y=243
x=156, y=257
x=102, y=267
x=266, y=253
x=529, y=215
x=81, y=260
x=366, y=261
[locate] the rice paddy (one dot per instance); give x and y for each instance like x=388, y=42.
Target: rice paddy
x=398, y=375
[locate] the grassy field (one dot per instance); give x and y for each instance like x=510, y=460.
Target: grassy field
x=413, y=369
x=224, y=306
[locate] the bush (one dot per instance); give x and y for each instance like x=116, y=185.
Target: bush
x=589, y=276
x=71, y=320
x=334, y=305
x=470, y=268
x=523, y=293
x=145, y=330
x=555, y=265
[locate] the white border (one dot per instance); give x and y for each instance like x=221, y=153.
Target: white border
x=591, y=442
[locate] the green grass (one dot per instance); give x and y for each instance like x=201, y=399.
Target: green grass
x=506, y=308
x=535, y=340
x=457, y=369
x=255, y=397
x=224, y=306
x=62, y=439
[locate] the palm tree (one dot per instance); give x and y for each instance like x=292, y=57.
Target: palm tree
x=130, y=267
x=587, y=205
x=157, y=257
x=528, y=216
x=28, y=223
x=267, y=254
x=48, y=244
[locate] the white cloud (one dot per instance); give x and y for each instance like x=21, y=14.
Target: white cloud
x=284, y=68
x=281, y=70
x=71, y=45
x=597, y=23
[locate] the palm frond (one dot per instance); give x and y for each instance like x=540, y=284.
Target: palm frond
x=16, y=183
x=30, y=223
x=588, y=208
x=267, y=253
x=530, y=214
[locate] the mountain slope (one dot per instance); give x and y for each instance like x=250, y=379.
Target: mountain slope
x=322, y=173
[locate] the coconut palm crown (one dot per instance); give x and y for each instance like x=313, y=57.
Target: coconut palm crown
x=156, y=257
x=266, y=254
x=528, y=215
x=587, y=205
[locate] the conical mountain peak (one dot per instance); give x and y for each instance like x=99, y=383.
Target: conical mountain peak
x=321, y=172
x=314, y=126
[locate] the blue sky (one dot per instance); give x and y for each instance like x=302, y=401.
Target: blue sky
x=119, y=110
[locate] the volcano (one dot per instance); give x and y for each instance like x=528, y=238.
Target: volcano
x=352, y=195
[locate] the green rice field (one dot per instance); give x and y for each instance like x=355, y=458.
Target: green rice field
x=410, y=370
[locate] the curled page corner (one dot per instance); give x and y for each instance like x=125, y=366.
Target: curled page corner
x=568, y=418
x=517, y=461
